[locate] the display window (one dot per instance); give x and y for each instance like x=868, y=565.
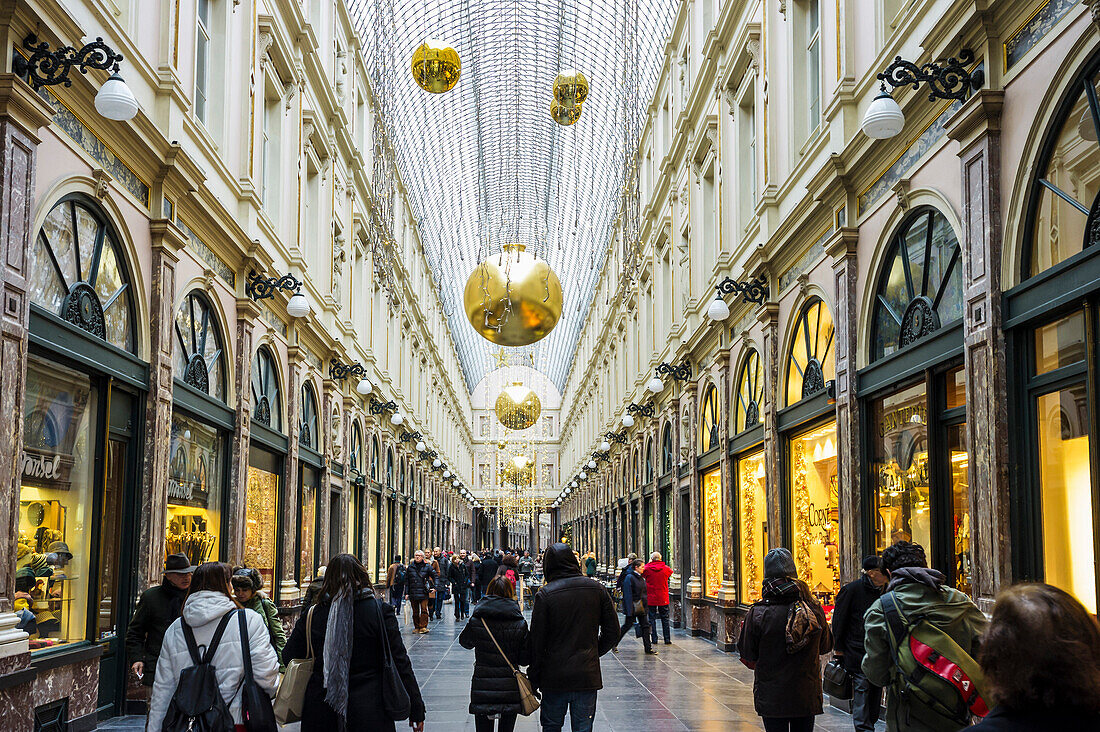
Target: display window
x=262, y=502
x=667, y=547
x=752, y=509
x=712, y=532
x=814, y=511
x=195, y=469
x=901, y=470
x=374, y=558
x=308, y=496
x=52, y=584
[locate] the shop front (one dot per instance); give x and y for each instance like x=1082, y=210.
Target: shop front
x=310, y=466
x=264, y=492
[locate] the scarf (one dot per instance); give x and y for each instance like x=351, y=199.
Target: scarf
x=338, y=642
x=779, y=590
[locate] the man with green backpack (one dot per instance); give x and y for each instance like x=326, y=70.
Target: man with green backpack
x=921, y=640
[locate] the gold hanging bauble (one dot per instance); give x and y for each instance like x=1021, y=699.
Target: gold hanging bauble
x=564, y=116
x=513, y=298
x=436, y=66
x=519, y=471
x=570, y=88
x=518, y=407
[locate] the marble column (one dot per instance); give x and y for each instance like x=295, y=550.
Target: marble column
x=167, y=240
x=289, y=593
x=977, y=128
x=841, y=248
x=247, y=312
x=22, y=114
x=727, y=591
x=768, y=316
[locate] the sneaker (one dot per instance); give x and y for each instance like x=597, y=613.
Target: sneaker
x=651, y=652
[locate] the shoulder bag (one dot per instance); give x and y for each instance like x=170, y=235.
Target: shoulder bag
x=395, y=697
x=256, y=712
x=528, y=700
x=292, y=689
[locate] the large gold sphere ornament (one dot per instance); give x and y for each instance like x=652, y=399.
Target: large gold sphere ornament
x=564, y=116
x=570, y=88
x=518, y=407
x=436, y=66
x=513, y=298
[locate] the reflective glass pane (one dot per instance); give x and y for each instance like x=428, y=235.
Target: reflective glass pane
x=194, y=490
x=45, y=288
x=58, y=230
x=109, y=280
x=261, y=515
x=900, y=468
x=813, y=485
x=752, y=504
x=1061, y=343
x=712, y=532
x=955, y=382
x=110, y=533
x=960, y=506
x=307, y=517
x=87, y=233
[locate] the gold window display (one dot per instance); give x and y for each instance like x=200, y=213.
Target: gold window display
x=814, y=507
x=712, y=532
x=195, y=469
x=261, y=515
x=55, y=503
x=307, y=518
x=900, y=469
x=753, y=510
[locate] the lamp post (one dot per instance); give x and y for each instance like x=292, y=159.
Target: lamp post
x=260, y=288
x=948, y=79
x=44, y=67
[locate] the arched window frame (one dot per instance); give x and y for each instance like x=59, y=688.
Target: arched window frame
x=709, y=437
x=375, y=459
x=389, y=468
x=266, y=395
x=356, y=455
x=750, y=392
x=818, y=352
x=649, y=460
x=308, y=426
x=668, y=458
x=199, y=352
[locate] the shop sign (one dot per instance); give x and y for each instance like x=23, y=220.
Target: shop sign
x=901, y=417
x=43, y=466
x=180, y=490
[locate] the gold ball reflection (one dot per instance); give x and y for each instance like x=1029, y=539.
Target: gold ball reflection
x=513, y=298
x=518, y=407
x=570, y=88
x=436, y=66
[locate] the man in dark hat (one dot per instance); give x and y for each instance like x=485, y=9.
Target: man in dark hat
x=157, y=609
x=852, y=603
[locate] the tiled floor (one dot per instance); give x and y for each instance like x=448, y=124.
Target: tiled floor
x=690, y=686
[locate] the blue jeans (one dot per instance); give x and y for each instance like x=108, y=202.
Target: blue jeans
x=660, y=611
x=580, y=704
x=437, y=605
x=396, y=595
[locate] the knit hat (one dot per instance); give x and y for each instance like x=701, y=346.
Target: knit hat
x=779, y=563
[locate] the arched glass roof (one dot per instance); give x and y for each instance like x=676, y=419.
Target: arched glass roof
x=485, y=165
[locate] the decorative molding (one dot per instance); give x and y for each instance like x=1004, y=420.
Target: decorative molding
x=901, y=189
x=1036, y=27
x=102, y=182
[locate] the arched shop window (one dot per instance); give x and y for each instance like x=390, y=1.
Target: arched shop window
x=750, y=392
x=637, y=473
x=649, y=460
x=812, y=360
x=708, y=420
x=375, y=459
x=78, y=272
x=400, y=479
x=266, y=406
x=308, y=435
x=356, y=457
x=389, y=468
x=198, y=346
x=920, y=287
x=667, y=458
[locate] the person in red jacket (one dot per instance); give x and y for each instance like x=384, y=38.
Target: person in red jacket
x=656, y=575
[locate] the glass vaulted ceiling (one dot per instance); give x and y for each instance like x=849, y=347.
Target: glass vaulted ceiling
x=485, y=165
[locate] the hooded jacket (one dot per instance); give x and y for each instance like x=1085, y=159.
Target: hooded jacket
x=493, y=689
x=267, y=610
x=157, y=609
x=203, y=611
x=573, y=623
x=918, y=590
x=656, y=576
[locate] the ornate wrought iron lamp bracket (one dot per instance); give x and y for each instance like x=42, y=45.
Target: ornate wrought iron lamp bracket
x=619, y=437
x=340, y=371
x=646, y=410
x=754, y=290
x=46, y=67
x=679, y=373
x=428, y=455
x=598, y=456
x=377, y=407
x=260, y=288
x=406, y=436
x=947, y=80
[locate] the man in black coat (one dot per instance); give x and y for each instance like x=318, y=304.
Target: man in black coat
x=157, y=608
x=852, y=603
x=573, y=623
x=487, y=571
x=419, y=579
x=459, y=577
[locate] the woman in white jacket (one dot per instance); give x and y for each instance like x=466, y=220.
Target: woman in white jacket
x=208, y=600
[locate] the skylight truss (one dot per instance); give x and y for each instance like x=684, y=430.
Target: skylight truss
x=485, y=165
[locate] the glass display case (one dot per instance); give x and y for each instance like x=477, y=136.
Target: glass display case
x=195, y=471
x=752, y=504
x=712, y=532
x=814, y=511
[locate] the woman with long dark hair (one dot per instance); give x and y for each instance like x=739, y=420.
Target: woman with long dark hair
x=346, y=686
x=209, y=600
x=493, y=689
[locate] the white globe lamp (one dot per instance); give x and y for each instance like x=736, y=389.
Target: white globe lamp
x=605, y=446
x=628, y=421
x=115, y=100
x=718, y=309
x=884, y=118
x=655, y=385
x=364, y=386
x=437, y=463
x=592, y=464
x=298, y=307
x=396, y=418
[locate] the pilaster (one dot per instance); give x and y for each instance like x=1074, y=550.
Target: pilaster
x=288, y=588
x=247, y=312
x=768, y=316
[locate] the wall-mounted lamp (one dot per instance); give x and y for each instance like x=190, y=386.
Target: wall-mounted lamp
x=947, y=80
x=114, y=100
x=340, y=371
x=755, y=290
x=645, y=410
x=678, y=373
x=260, y=288
x=406, y=436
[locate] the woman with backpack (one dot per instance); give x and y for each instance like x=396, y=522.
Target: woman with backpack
x=782, y=639
x=209, y=614
x=350, y=630
x=493, y=689
x=247, y=586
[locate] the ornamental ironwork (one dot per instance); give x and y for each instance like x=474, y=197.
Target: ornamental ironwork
x=754, y=290
x=340, y=371
x=949, y=79
x=617, y=437
x=259, y=288
x=377, y=407
x=645, y=410
x=406, y=436
x=46, y=68
x=682, y=372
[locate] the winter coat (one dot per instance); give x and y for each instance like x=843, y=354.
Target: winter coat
x=784, y=684
x=459, y=576
x=441, y=565
x=391, y=577
x=1002, y=719
x=312, y=592
x=634, y=588
x=526, y=565
x=203, y=611
x=917, y=590
x=656, y=576
x=590, y=566
x=493, y=689
x=267, y=610
x=852, y=603
x=419, y=578
x=365, y=710
x=157, y=609
x=487, y=571
x=573, y=623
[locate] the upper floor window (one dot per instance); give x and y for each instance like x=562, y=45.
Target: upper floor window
x=266, y=407
x=812, y=359
x=78, y=272
x=356, y=456
x=389, y=468
x=750, y=392
x=308, y=436
x=920, y=286
x=375, y=459
x=666, y=448
x=198, y=346
x=1065, y=200
x=649, y=460
x=202, y=58
x=708, y=420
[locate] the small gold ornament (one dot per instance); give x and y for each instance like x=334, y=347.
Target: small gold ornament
x=513, y=298
x=564, y=116
x=518, y=407
x=436, y=66
x=570, y=88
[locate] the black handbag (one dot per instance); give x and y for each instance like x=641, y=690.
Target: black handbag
x=836, y=681
x=395, y=698
x=257, y=714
